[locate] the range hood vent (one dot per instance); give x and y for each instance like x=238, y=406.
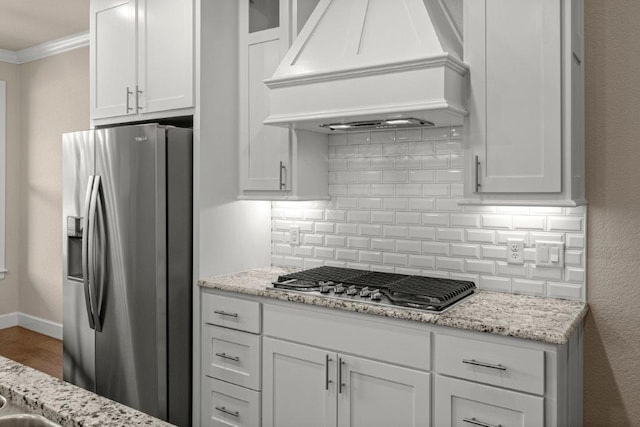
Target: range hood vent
x=372, y=63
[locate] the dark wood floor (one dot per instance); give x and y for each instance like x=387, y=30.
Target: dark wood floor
x=32, y=349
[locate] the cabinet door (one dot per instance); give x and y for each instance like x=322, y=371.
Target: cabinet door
x=265, y=150
x=515, y=117
x=378, y=394
x=465, y=404
x=299, y=386
x=165, y=59
x=113, y=58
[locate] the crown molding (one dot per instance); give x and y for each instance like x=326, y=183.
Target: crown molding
x=44, y=50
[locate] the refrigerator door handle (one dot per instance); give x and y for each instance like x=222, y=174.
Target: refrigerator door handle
x=102, y=256
x=92, y=253
x=86, y=244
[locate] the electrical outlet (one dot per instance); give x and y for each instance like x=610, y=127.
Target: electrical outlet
x=549, y=254
x=294, y=235
x=515, y=251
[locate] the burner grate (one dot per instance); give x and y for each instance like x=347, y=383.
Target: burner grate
x=325, y=273
x=375, y=279
x=441, y=289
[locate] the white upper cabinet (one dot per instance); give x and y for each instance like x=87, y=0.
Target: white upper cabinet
x=141, y=58
x=275, y=163
x=524, y=132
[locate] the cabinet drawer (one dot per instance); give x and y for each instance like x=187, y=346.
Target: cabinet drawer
x=497, y=364
x=231, y=356
x=232, y=313
x=358, y=334
x=465, y=404
x=225, y=405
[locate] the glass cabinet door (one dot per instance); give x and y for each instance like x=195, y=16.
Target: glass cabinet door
x=263, y=14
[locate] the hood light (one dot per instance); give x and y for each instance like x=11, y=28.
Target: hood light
x=377, y=124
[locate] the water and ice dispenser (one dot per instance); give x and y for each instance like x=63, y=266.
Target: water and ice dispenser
x=74, y=248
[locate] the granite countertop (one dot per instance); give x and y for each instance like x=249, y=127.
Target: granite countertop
x=548, y=320
x=65, y=403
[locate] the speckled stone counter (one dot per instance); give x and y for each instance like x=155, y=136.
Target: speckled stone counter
x=540, y=319
x=65, y=403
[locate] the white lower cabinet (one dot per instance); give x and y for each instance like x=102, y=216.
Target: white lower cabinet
x=466, y=404
x=285, y=364
x=308, y=386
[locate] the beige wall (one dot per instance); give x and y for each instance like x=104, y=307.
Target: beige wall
x=612, y=335
x=54, y=100
x=9, y=286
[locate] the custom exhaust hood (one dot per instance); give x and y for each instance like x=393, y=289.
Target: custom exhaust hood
x=373, y=64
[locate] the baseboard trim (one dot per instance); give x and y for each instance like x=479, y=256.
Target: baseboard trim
x=8, y=320
x=36, y=324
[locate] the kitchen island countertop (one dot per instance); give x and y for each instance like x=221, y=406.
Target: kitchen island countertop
x=535, y=318
x=65, y=403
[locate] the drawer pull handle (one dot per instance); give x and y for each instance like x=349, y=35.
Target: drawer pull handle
x=327, y=381
x=225, y=313
x=340, y=383
x=228, y=412
x=479, y=423
x=226, y=356
x=484, y=365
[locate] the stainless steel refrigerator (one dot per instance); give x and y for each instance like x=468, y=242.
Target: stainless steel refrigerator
x=127, y=250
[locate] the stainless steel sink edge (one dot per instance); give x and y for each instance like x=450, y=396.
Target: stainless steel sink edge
x=13, y=414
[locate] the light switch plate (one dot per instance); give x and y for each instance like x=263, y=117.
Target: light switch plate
x=550, y=254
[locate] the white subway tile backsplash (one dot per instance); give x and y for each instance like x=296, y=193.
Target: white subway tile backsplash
x=358, y=216
x=497, y=221
x=465, y=250
x=394, y=208
x=435, y=219
x=450, y=264
x=408, y=218
x=465, y=220
x=421, y=204
x=378, y=137
x=371, y=257
x=404, y=135
x=421, y=261
x=382, y=244
x=410, y=246
x=421, y=176
x=358, y=243
x=435, y=248
x=395, y=231
x=529, y=287
x=422, y=233
x=342, y=228
x=500, y=284
x=370, y=203
x=450, y=234
x=480, y=266
x=409, y=162
x=382, y=190
x=382, y=217
x=565, y=223
x=338, y=241
x=395, y=259
x=370, y=230
x=358, y=138
x=408, y=190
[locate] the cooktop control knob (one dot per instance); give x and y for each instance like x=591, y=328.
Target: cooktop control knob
x=352, y=290
x=365, y=292
x=339, y=289
x=376, y=295
x=325, y=289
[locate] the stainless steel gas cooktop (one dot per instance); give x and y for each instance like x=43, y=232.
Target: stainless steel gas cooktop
x=417, y=292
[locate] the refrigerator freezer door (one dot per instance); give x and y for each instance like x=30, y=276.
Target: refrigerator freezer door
x=131, y=348
x=78, y=337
